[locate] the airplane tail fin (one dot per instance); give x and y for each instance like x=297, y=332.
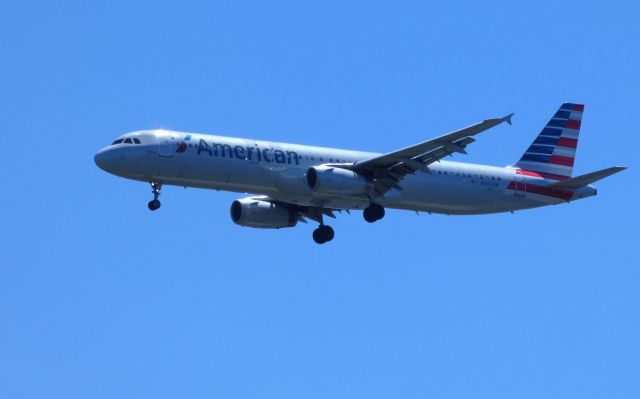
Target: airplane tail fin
x=553, y=152
x=581, y=181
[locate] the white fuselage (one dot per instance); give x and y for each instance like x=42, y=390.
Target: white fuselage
x=278, y=170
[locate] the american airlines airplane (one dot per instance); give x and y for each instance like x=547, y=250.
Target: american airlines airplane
x=294, y=183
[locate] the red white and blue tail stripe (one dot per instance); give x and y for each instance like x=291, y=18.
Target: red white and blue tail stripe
x=553, y=152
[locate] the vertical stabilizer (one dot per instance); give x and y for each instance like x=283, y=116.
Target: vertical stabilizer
x=553, y=152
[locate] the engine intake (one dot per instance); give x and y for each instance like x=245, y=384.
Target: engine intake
x=258, y=213
x=332, y=180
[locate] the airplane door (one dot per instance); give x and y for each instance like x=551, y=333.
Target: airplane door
x=520, y=188
x=166, y=145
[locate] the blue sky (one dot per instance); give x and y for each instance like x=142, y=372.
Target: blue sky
x=100, y=298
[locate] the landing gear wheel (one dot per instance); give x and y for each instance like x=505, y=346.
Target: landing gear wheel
x=373, y=213
x=154, y=204
x=328, y=233
x=323, y=234
x=317, y=236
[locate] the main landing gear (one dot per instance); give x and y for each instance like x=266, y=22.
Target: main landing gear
x=155, y=203
x=323, y=234
x=373, y=213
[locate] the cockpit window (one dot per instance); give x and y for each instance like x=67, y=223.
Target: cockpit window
x=128, y=140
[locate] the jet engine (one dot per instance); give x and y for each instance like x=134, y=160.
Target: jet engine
x=259, y=213
x=332, y=180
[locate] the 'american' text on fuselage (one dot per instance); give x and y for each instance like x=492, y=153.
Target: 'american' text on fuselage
x=248, y=153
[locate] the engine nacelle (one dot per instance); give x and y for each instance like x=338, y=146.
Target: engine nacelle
x=256, y=212
x=329, y=179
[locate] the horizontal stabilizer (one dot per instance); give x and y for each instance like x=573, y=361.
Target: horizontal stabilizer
x=581, y=181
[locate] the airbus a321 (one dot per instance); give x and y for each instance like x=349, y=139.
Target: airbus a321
x=294, y=183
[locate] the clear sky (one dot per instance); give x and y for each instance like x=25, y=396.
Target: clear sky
x=100, y=298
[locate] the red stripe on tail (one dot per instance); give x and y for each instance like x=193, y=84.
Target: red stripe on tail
x=572, y=124
x=567, y=142
x=560, y=160
x=544, y=175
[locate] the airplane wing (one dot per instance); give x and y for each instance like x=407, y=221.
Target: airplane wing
x=388, y=169
x=315, y=213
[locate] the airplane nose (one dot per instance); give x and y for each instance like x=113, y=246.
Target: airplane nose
x=105, y=160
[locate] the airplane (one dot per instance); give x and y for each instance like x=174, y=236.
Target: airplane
x=294, y=183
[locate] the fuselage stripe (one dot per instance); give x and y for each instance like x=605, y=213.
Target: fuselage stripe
x=541, y=190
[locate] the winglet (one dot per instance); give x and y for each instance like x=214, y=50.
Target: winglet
x=507, y=118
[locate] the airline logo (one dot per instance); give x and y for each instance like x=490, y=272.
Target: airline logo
x=182, y=145
x=553, y=152
x=255, y=153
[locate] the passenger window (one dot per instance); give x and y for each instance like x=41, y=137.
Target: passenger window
x=136, y=140
x=117, y=141
x=128, y=141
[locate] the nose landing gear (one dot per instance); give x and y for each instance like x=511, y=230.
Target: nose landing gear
x=155, y=203
x=373, y=213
